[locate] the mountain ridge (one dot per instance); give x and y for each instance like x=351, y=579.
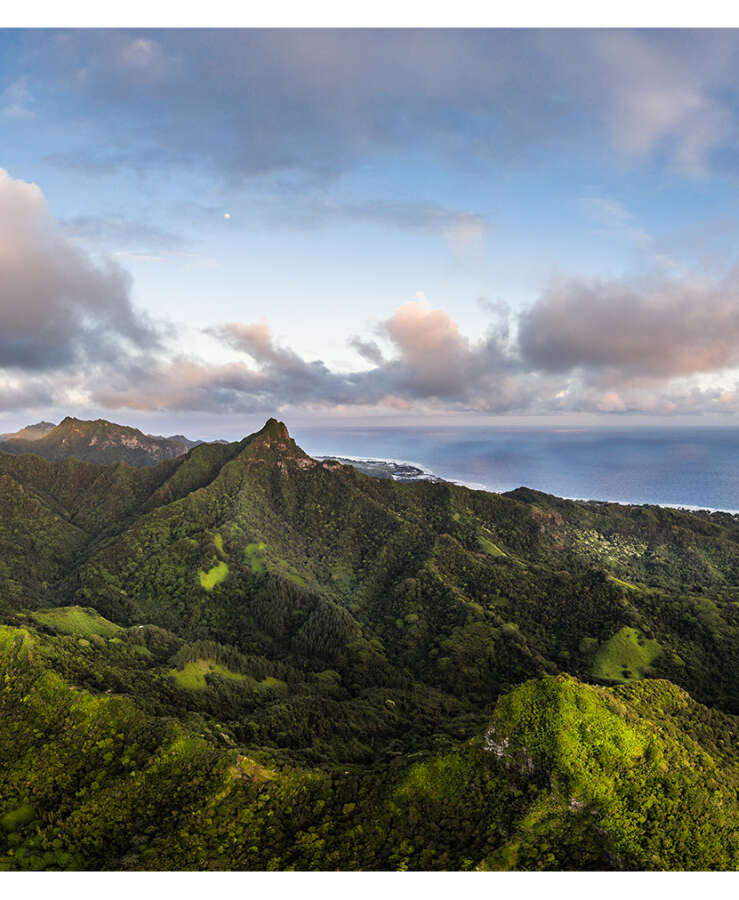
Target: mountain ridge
x=29, y=432
x=98, y=441
x=308, y=625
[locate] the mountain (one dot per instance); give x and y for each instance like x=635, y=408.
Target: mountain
x=277, y=662
x=98, y=441
x=565, y=775
x=30, y=432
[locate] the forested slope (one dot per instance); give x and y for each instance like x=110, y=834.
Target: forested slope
x=348, y=636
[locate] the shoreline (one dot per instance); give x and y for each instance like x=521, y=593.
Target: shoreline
x=426, y=474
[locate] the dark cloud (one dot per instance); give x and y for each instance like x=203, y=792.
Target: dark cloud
x=317, y=102
x=282, y=372
x=254, y=102
x=368, y=350
x=57, y=305
x=627, y=329
x=27, y=393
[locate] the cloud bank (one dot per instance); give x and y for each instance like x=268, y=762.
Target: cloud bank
x=252, y=102
x=58, y=306
x=656, y=329
x=70, y=334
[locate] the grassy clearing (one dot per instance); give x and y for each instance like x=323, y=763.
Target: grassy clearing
x=192, y=677
x=218, y=541
x=625, y=656
x=214, y=576
x=491, y=548
x=76, y=620
x=253, y=553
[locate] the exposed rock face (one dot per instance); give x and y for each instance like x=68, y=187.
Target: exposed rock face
x=514, y=757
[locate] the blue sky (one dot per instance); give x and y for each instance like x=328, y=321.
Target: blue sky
x=198, y=228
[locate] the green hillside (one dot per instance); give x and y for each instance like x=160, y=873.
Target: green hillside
x=297, y=665
x=75, y=620
x=565, y=776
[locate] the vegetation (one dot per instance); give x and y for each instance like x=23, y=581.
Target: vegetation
x=566, y=775
x=192, y=676
x=244, y=658
x=75, y=620
x=98, y=441
x=625, y=656
x=253, y=553
x=214, y=576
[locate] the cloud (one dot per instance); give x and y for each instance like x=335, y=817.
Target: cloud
x=23, y=393
x=289, y=205
x=69, y=333
x=180, y=383
x=432, y=364
x=58, y=306
x=264, y=101
x=368, y=350
x=316, y=103
x=614, y=216
x=663, y=399
x=286, y=377
x=667, y=91
x=620, y=222
x=461, y=230
x=16, y=100
x=626, y=329
x=434, y=359
x=429, y=366
x=115, y=232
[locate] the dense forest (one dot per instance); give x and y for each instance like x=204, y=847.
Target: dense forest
x=244, y=658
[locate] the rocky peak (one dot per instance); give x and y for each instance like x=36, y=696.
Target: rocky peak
x=274, y=431
x=272, y=445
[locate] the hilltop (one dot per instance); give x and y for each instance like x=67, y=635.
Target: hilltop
x=327, y=632
x=96, y=441
x=29, y=432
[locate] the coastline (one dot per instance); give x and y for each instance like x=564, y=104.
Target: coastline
x=426, y=474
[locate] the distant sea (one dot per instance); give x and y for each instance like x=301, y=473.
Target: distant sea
x=688, y=466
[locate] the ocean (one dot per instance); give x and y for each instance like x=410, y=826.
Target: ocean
x=688, y=466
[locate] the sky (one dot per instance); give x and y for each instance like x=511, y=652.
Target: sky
x=201, y=228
